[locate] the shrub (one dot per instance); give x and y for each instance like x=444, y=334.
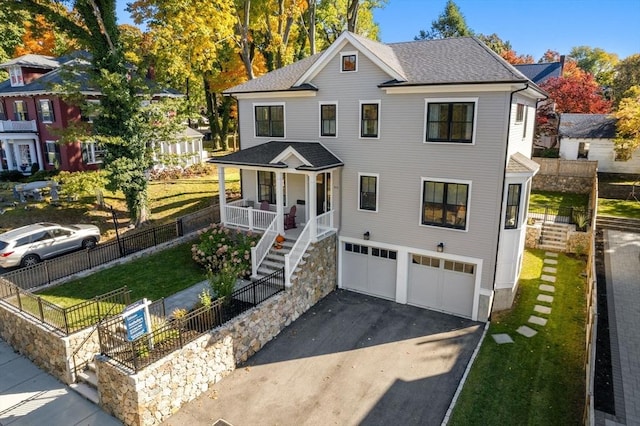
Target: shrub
x=42, y=175
x=35, y=168
x=221, y=247
x=550, y=153
x=223, y=282
x=11, y=176
x=581, y=220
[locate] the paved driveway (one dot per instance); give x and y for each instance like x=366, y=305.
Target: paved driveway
x=350, y=360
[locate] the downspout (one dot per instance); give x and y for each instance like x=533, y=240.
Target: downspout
x=504, y=179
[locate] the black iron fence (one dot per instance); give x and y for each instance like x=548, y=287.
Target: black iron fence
x=46, y=272
x=170, y=335
x=580, y=216
x=66, y=320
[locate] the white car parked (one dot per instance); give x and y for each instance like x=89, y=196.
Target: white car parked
x=28, y=245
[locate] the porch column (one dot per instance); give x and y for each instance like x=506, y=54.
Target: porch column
x=40, y=160
x=2, y=147
x=10, y=156
x=279, y=204
x=313, y=209
x=222, y=195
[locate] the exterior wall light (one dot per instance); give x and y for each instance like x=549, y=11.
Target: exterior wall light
x=367, y=235
x=440, y=247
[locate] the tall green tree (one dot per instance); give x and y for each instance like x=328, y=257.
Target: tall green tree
x=119, y=124
x=597, y=62
x=450, y=23
x=627, y=74
x=11, y=32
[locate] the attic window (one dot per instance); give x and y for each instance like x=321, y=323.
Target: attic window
x=520, y=113
x=15, y=74
x=349, y=61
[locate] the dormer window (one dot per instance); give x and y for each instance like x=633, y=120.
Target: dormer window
x=349, y=61
x=15, y=73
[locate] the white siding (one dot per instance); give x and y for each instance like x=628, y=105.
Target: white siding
x=601, y=150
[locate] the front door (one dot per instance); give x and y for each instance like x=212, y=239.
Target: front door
x=323, y=193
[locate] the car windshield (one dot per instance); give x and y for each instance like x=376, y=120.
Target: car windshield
x=3, y=245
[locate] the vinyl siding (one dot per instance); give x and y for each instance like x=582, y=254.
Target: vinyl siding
x=600, y=150
x=401, y=158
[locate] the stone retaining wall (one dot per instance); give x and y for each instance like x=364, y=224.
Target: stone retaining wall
x=159, y=390
x=558, y=175
x=46, y=347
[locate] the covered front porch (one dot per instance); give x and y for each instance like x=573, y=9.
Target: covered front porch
x=288, y=188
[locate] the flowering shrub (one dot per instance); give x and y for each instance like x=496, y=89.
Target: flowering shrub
x=222, y=248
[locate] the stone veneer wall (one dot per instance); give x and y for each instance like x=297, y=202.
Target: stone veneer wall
x=159, y=390
x=46, y=347
x=579, y=242
x=533, y=235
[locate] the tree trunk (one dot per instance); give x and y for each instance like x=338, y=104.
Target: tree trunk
x=246, y=52
x=352, y=15
x=211, y=112
x=312, y=26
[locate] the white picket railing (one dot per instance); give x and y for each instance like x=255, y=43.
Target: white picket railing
x=324, y=224
x=248, y=217
x=260, y=250
x=294, y=256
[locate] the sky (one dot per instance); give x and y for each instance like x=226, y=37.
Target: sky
x=532, y=26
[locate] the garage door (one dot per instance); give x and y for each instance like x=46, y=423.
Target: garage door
x=442, y=285
x=370, y=270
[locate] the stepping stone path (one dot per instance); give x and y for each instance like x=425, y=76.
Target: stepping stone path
x=550, y=258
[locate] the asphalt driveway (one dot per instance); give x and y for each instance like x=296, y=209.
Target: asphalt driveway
x=350, y=360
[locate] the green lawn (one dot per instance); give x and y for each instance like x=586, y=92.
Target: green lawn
x=538, y=380
x=158, y=275
x=620, y=208
x=562, y=199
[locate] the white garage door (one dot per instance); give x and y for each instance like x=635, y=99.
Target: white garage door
x=442, y=285
x=370, y=270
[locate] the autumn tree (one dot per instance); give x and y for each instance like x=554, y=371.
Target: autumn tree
x=577, y=93
x=627, y=74
x=450, y=23
x=628, y=125
x=11, y=31
x=597, y=62
x=549, y=56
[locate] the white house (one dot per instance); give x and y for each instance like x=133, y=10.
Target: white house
x=590, y=136
x=416, y=154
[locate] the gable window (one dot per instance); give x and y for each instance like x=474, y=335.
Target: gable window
x=368, y=190
x=53, y=153
x=445, y=204
x=20, y=112
x=450, y=121
x=369, y=115
x=519, y=113
x=513, y=206
x=3, y=114
x=92, y=152
x=349, y=62
x=45, y=111
x=270, y=120
x=583, y=150
x=328, y=120
x=15, y=74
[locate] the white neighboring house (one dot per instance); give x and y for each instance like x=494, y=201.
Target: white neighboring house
x=590, y=136
x=417, y=154
x=185, y=151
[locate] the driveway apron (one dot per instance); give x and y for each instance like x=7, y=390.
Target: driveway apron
x=351, y=359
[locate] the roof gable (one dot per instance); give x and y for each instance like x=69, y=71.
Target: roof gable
x=540, y=73
x=587, y=126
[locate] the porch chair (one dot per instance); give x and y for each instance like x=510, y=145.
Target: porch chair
x=264, y=205
x=290, y=218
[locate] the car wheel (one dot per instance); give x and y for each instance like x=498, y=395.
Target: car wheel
x=30, y=260
x=89, y=243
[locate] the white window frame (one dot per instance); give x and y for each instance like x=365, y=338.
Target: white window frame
x=520, y=119
x=377, y=176
x=428, y=101
x=49, y=104
x=15, y=76
x=55, y=151
x=348, y=53
x=284, y=118
x=374, y=101
x=320, y=105
x=25, y=111
x=424, y=179
x=3, y=111
x=91, y=149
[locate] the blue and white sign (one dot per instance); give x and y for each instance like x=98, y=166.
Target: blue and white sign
x=136, y=319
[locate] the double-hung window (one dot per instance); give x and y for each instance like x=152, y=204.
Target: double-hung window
x=369, y=119
x=445, y=204
x=53, y=153
x=15, y=74
x=267, y=187
x=368, y=190
x=92, y=152
x=328, y=120
x=20, y=112
x=450, y=121
x=269, y=120
x=3, y=114
x=513, y=206
x=45, y=111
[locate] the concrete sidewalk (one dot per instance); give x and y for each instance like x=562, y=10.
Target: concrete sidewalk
x=29, y=396
x=622, y=254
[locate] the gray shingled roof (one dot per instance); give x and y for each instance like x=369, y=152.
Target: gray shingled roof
x=518, y=163
x=262, y=156
x=539, y=73
x=33, y=61
x=587, y=126
x=48, y=82
x=424, y=62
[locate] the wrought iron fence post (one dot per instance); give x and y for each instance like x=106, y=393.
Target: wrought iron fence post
x=46, y=270
x=40, y=309
x=155, y=240
x=97, y=306
x=66, y=321
x=89, y=259
x=179, y=227
x=134, y=354
x=18, y=296
x=254, y=293
x=546, y=211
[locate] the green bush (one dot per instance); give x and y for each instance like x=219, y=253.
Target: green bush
x=221, y=248
x=42, y=175
x=550, y=153
x=11, y=176
x=223, y=282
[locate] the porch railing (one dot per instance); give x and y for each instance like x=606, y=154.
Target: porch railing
x=325, y=224
x=294, y=256
x=248, y=217
x=17, y=126
x=259, y=252
x=561, y=214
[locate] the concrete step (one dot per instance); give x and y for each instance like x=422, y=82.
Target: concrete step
x=89, y=377
x=87, y=392
x=552, y=247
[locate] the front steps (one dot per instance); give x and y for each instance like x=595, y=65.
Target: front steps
x=87, y=384
x=275, y=259
x=554, y=236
